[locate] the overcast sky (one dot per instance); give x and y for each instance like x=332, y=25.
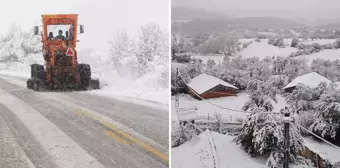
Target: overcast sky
x=101, y=18
x=306, y=9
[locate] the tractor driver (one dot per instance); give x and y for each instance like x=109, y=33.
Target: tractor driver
x=60, y=35
x=50, y=36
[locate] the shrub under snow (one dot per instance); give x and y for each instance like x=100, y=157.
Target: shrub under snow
x=262, y=133
x=148, y=54
x=327, y=123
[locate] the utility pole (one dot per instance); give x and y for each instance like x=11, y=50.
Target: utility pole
x=177, y=89
x=287, y=119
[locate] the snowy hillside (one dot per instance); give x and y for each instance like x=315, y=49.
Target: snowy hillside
x=330, y=54
x=262, y=49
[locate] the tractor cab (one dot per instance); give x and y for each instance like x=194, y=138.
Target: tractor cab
x=59, y=37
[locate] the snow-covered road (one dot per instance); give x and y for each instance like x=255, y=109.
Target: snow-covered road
x=78, y=129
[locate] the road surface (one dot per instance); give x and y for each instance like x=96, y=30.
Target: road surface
x=78, y=130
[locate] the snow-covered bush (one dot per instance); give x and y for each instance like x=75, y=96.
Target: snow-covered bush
x=210, y=63
x=305, y=119
x=121, y=48
x=301, y=98
x=271, y=41
x=151, y=44
x=294, y=43
x=181, y=134
x=336, y=165
x=195, y=68
x=276, y=42
x=328, y=46
x=279, y=43
x=327, y=68
x=337, y=44
x=262, y=133
x=182, y=58
x=316, y=47
x=17, y=45
x=327, y=123
x=245, y=45
x=145, y=55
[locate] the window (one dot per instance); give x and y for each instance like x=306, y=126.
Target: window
x=65, y=30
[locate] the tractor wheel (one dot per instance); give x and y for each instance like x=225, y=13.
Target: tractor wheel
x=85, y=75
x=94, y=84
x=37, y=72
x=29, y=83
x=38, y=85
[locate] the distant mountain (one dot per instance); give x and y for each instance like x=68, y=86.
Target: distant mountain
x=198, y=20
x=184, y=13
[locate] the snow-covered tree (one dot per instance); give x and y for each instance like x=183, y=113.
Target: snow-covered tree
x=120, y=48
x=337, y=44
x=195, y=68
x=262, y=132
x=181, y=134
x=301, y=98
x=151, y=44
x=294, y=43
x=327, y=123
x=177, y=44
x=210, y=63
x=18, y=43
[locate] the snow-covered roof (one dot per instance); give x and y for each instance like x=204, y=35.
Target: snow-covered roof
x=312, y=80
x=204, y=82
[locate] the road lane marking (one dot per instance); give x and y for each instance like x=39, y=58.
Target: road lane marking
x=117, y=137
x=65, y=152
x=146, y=147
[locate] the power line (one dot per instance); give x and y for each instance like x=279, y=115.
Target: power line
x=317, y=136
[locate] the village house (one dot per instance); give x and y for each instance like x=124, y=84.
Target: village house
x=207, y=86
x=312, y=80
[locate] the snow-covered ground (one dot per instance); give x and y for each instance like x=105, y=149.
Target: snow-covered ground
x=205, y=109
x=197, y=153
x=175, y=65
x=323, y=149
x=319, y=41
x=195, y=149
x=262, y=49
x=329, y=54
x=246, y=40
x=217, y=58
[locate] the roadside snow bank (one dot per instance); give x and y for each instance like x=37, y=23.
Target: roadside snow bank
x=146, y=87
x=115, y=84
